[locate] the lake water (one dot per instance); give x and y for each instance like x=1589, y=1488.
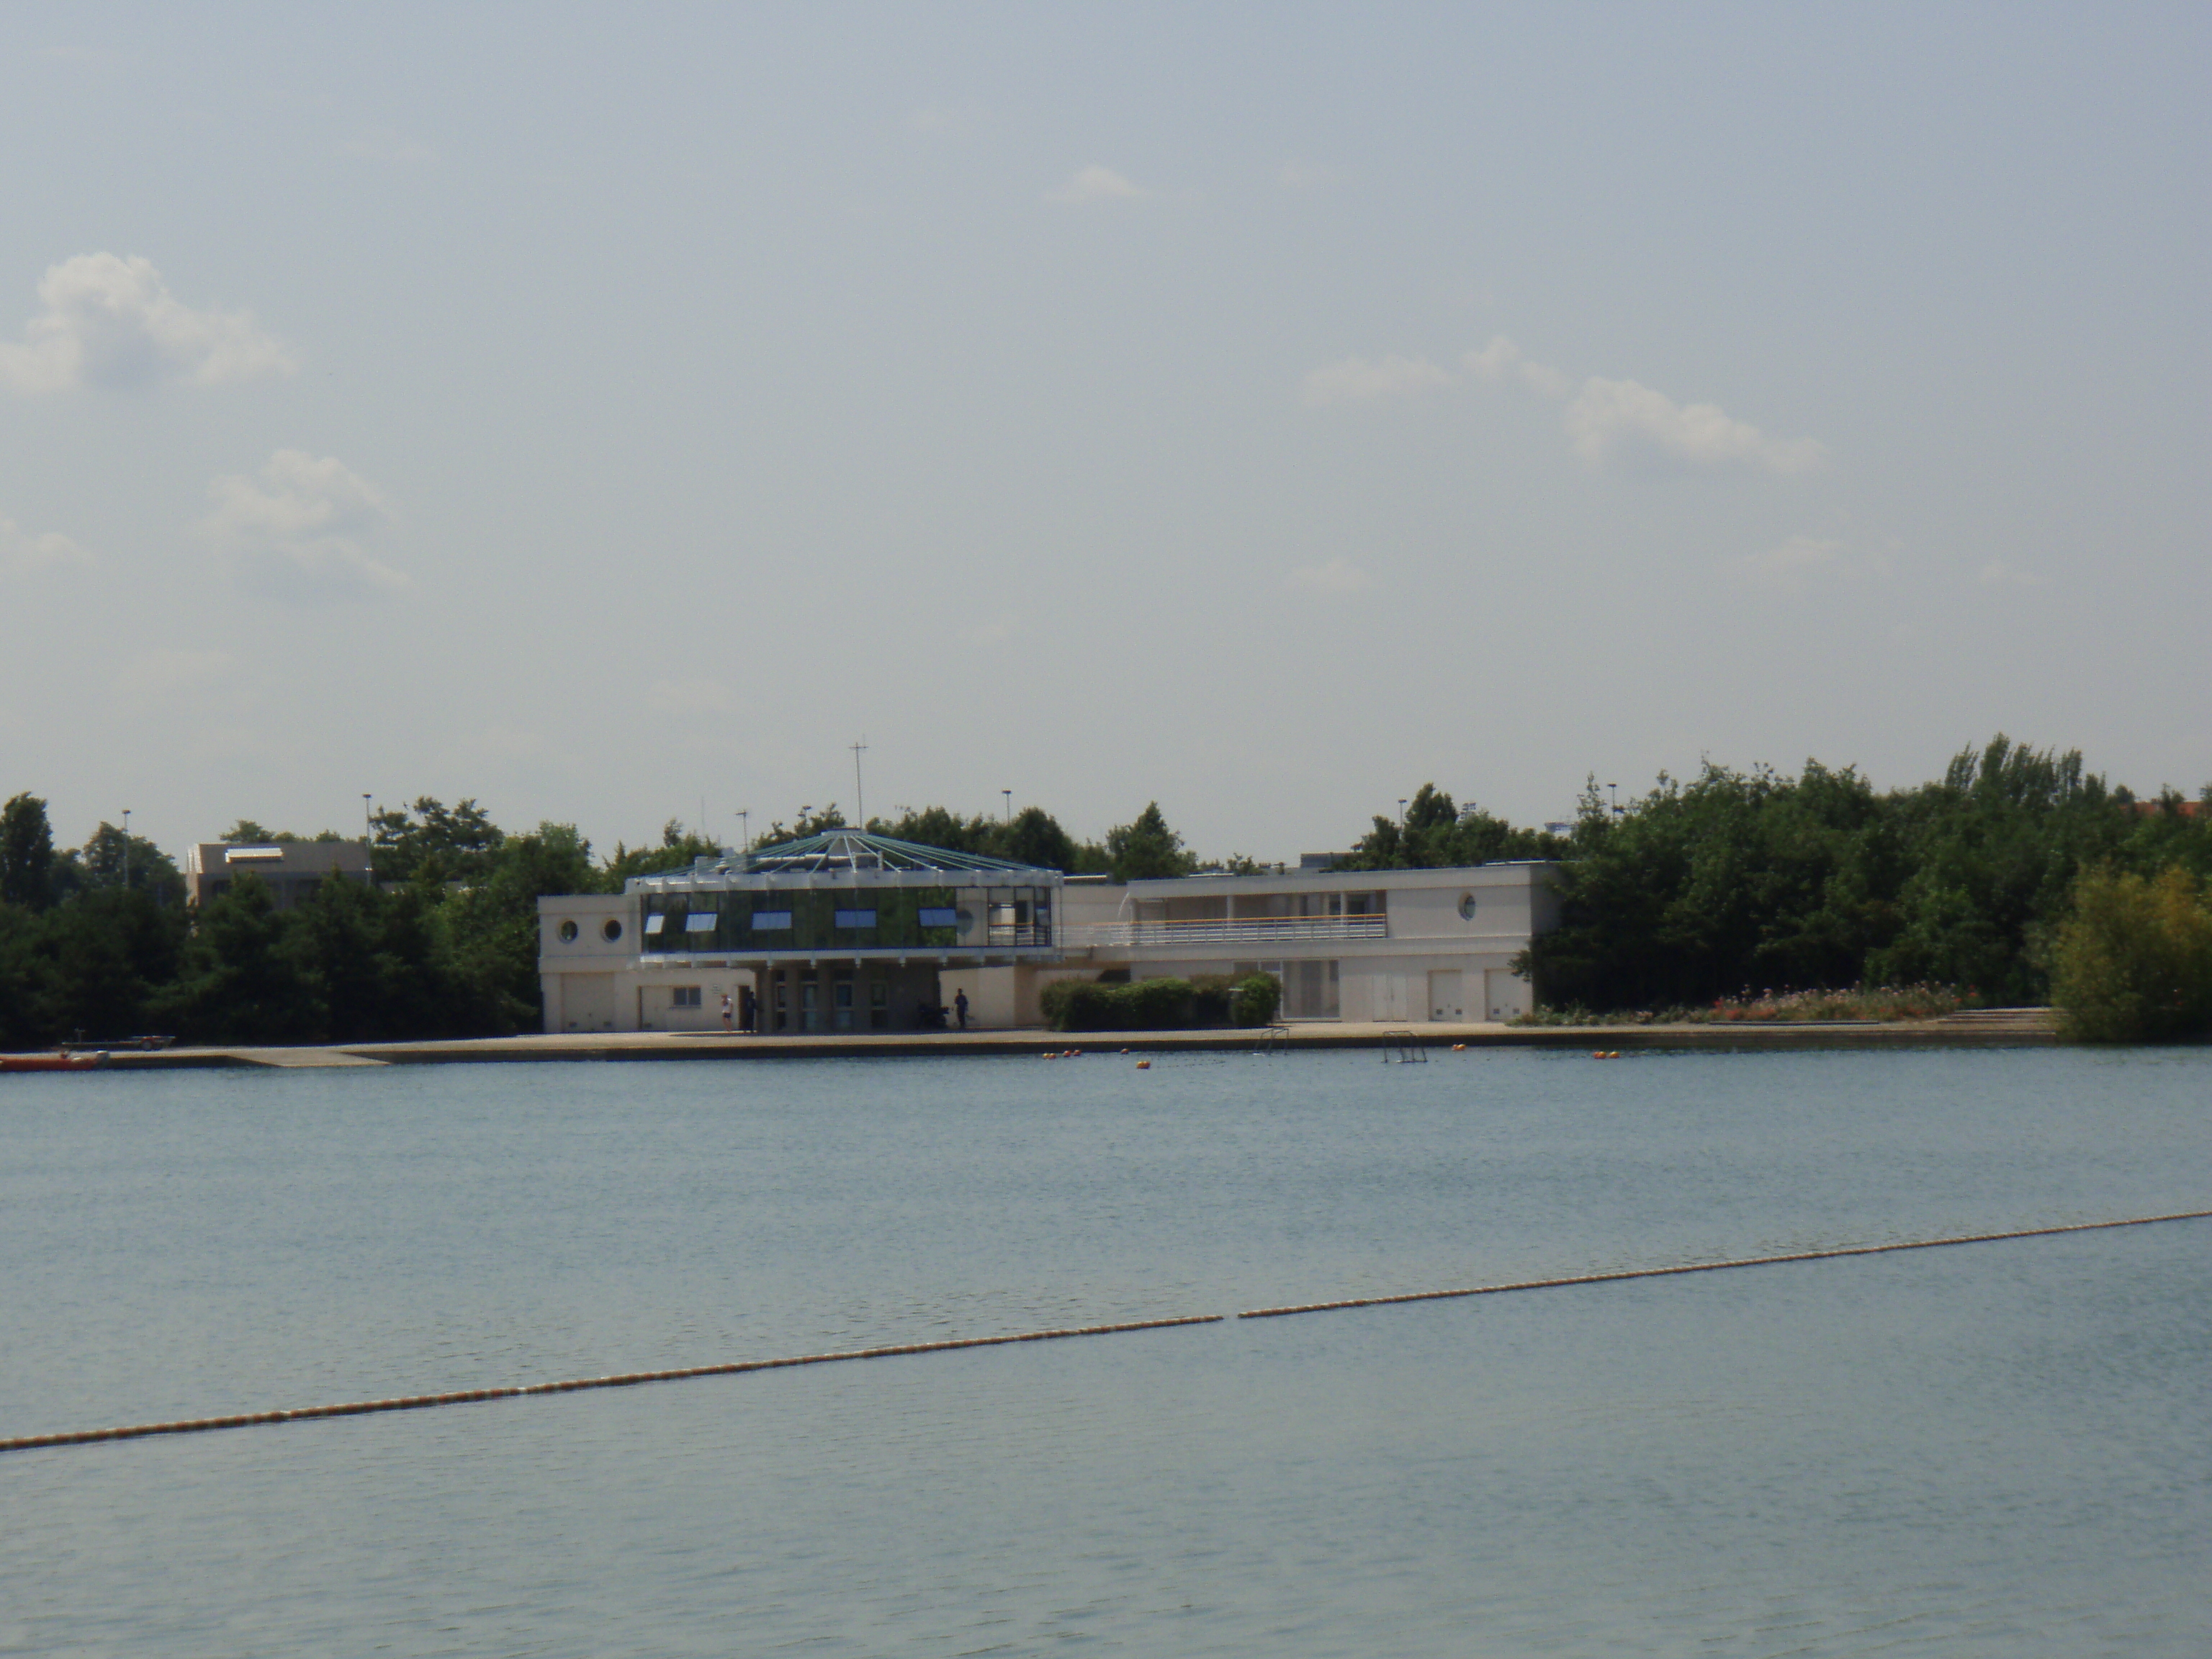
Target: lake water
x=2001, y=1449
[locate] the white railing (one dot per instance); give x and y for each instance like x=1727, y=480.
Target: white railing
x=1244, y=930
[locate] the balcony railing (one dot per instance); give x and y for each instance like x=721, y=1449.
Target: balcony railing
x=1242, y=930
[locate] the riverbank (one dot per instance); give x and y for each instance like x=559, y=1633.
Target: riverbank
x=2005, y=1028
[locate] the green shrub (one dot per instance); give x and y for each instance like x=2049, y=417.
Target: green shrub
x=2132, y=961
x=1161, y=1005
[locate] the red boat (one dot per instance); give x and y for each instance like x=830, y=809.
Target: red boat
x=53, y=1063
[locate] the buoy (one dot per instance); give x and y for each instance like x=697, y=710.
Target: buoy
x=1459, y=1047
x=1142, y=1065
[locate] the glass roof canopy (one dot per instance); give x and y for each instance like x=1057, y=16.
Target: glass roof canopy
x=848, y=896
x=843, y=856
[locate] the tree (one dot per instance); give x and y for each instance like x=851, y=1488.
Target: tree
x=2132, y=959
x=1440, y=834
x=111, y=859
x=239, y=984
x=247, y=833
x=679, y=848
x=434, y=843
x=1035, y=837
x=1146, y=847
x=26, y=853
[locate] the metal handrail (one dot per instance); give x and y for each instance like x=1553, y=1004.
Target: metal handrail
x=1225, y=930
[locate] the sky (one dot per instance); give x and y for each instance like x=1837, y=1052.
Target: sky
x=613, y=414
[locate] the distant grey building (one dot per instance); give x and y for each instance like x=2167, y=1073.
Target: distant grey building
x=292, y=869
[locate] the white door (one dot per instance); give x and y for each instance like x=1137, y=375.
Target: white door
x=1389, y=996
x=1510, y=996
x=587, y=1002
x=1444, y=999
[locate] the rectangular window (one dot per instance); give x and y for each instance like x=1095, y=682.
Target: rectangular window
x=771, y=922
x=683, y=996
x=855, y=919
x=700, y=921
x=653, y=923
x=945, y=917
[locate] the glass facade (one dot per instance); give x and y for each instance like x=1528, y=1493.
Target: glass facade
x=835, y=920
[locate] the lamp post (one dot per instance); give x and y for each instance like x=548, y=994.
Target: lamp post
x=1009, y=795
x=1616, y=798
x=1402, y=815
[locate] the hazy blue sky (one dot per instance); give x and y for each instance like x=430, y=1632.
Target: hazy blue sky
x=1263, y=409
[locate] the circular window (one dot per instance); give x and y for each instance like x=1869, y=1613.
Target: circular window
x=1467, y=907
x=567, y=931
x=612, y=931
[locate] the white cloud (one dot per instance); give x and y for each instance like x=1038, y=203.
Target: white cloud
x=22, y=554
x=1097, y=184
x=113, y=323
x=1501, y=357
x=1610, y=419
x=1997, y=573
x=161, y=675
x=1339, y=575
x=1356, y=379
x=1613, y=417
x=297, y=533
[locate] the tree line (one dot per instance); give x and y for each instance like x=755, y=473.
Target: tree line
x=96, y=941
x=2017, y=870
x=1753, y=881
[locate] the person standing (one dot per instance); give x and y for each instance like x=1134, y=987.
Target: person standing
x=960, y=1008
x=727, y=1026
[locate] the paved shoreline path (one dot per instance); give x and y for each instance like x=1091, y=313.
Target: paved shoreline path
x=2002, y=1028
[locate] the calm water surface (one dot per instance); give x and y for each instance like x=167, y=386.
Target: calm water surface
x=2003, y=1449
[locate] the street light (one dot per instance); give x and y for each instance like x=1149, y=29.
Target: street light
x=1616, y=798
x=1401, y=812
x=1009, y=795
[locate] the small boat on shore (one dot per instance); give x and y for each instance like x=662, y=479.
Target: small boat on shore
x=57, y=1063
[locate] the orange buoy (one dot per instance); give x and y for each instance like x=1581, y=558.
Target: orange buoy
x=1144, y=1065
x=1459, y=1047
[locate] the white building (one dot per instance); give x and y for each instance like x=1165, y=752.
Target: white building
x=846, y=932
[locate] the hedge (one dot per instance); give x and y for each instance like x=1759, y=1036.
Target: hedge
x=1161, y=1005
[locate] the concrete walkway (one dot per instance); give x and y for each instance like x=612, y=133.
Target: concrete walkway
x=2003, y=1028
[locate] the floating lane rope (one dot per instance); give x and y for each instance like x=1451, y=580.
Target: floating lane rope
x=1717, y=1266
x=626, y=1380
x=634, y=1379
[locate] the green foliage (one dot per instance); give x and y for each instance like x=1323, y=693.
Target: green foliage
x=1147, y=849
x=1740, y=883
x=679, y=849
x=1034, y=837
x=2132, y=957
x=110, y=858
x=808, y=823
x=429, y=842
x=238, y=983
x=26, y=853
x=1440, y=834
x=247, y=833
x=1161, y=1005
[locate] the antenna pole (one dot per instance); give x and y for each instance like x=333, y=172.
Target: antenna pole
x=860, y=800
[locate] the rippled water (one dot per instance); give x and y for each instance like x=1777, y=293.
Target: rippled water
x=2000, y=1449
